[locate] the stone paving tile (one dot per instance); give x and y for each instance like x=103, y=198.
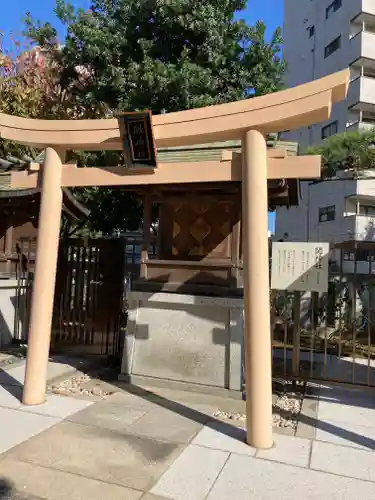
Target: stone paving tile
x=343, y=461
x=8, y=492
x=109, y=456
x=351, y=411
x=109, y=415
x=308, y=418
x=288, y=450
x=18, y=496
x=35, y=481
x=125, y=398
x=246, y=478
x=192, y=474
x=345, y=434
x=193, y=399
x=58, y=406
x=150, y=496
x=10, y=396
x=13, y=376
x=354, y=396
x=17, y=426
x=160, y=423
x=220, y=436
x=57, y=367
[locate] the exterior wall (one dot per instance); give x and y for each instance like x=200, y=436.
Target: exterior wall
x=12, y=311
x=366, y=187
x=355, y=6
x=306, y=59
x=302, y=222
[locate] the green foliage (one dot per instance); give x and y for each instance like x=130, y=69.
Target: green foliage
x=154, y=54
x=112, y=210
x=349, y=151
x=162, y=54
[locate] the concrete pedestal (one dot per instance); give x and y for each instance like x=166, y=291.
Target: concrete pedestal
x=184, y=338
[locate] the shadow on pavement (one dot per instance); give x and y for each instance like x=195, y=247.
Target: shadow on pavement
x=11, y=385
x=334, y=429
x=6, y=489
x=184, y=411
x=15, y=389
x=7, y=492
x=231, y=430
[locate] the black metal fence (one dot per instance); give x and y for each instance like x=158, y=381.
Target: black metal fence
x=84, y=320
x=328, y=336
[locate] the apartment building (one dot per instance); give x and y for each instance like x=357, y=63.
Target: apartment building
x=324, y=36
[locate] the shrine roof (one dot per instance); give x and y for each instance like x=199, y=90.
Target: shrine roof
x=213, y=151
x=71, y=205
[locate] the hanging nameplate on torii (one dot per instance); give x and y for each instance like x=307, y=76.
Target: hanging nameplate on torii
x=137, y=139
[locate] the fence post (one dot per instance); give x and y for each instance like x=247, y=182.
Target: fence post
x=296, y=333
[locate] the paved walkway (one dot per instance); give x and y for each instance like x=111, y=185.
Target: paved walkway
x=164, y=444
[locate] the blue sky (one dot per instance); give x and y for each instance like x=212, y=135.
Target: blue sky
x=269, y=11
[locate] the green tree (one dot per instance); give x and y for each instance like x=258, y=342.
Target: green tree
x=354, y=151
x=163, y=54
x=25, y=85
x=156, y=54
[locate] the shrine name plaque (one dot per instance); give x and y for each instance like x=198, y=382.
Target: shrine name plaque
x=137, y=139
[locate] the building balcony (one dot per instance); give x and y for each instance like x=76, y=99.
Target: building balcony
x=361, y=95
x=359, y=8
x=362, y=49
x=360, y=228
x=358, y=125
x=359, y=267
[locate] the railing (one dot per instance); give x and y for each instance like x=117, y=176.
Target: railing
x=360, y=126
x=362, y=45
x=329, y=336
x=359, y=228
x=361, y=90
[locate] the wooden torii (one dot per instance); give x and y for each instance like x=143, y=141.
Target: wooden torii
x=249, y=120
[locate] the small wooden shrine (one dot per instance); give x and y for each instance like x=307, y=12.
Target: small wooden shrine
x=199, y=225
x=19, y=210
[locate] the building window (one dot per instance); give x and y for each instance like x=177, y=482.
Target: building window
x=367, y=210
x=330, y=129
x=349, y=256
x=333, y=7
x=359, y=255
x=332, y=47
x=311, y=31
x=327, y=213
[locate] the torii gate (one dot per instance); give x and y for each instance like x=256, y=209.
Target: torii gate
x=248, y=120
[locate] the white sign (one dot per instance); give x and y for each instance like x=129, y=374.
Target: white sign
x=301, y=267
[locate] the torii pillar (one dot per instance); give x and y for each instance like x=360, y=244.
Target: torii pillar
x=39, y=335
x=257, y=331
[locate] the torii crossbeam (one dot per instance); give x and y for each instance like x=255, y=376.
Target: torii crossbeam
x=248, y=120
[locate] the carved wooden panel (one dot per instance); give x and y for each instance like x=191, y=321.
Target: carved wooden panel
x=200, y=228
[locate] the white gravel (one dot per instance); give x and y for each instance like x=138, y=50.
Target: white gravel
x=286, y=410
x=79, y=385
